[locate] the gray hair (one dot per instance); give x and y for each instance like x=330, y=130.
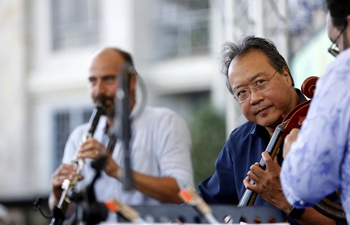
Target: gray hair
x=231, y=51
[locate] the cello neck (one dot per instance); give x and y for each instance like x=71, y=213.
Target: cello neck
x=249, y=196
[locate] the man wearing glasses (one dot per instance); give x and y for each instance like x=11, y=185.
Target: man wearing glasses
x=259, y=79
x=320, y=151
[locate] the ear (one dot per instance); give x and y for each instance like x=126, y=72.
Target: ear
x=287, y=75
x=347, y=30
x=285, y=72
x=132, y=83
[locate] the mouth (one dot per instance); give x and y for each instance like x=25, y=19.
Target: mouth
x=263, y=110
x=106, y=103
x=104, y=100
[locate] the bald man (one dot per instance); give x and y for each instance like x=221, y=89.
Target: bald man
x=160, y=147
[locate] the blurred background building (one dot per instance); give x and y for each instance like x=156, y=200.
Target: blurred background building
x=46, y=44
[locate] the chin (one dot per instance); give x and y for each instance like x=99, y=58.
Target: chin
x=268, y=122
x=110, y=112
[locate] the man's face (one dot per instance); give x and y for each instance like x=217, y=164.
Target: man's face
x=341, y=40
x=265, y=108
x=103, y=79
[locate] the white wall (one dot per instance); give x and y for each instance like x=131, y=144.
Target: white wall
x=13, y=99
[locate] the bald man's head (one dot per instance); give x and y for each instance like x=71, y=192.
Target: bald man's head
x=103, y=76
x=125, y=55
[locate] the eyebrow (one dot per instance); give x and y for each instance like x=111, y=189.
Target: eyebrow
x=251, y=79
x=92, y=77
x=109, y=76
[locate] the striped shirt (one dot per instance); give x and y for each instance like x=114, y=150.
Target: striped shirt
x=319, y=161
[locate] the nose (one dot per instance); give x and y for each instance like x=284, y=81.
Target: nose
x=255, y=97
x=99, y=87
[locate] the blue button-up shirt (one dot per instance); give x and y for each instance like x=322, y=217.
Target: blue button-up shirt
x=243, y=149
x=319, y=161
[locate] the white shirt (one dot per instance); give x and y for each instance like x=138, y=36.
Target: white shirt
x=160, y=147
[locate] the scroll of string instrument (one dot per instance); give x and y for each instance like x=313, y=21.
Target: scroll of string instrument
x=294, y=119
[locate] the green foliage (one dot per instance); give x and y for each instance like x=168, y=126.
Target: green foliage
x=208, y=136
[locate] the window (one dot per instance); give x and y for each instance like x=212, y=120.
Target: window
x=74, y=23
x=64, y=123
x=182, y=28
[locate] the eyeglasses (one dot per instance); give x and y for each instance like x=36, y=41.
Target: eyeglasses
x=242, y=94
x=334, y=50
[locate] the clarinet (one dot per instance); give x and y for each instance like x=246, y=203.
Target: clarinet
x=67, y=185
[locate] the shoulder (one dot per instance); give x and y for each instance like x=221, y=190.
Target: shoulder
x=78, y=132
x=338, y=70
x=244, y=131
x=160, y=115
x=334, y=82
x=160, y=121
x=159, y=111
x=248, y=136
x=343, y=57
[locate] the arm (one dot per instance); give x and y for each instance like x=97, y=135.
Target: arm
x=220, y=188
x=164, y=189
x=65, y=171
x=225, y=185
x=172, y=147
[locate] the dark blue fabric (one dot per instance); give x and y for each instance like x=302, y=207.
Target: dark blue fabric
x=243, y=149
